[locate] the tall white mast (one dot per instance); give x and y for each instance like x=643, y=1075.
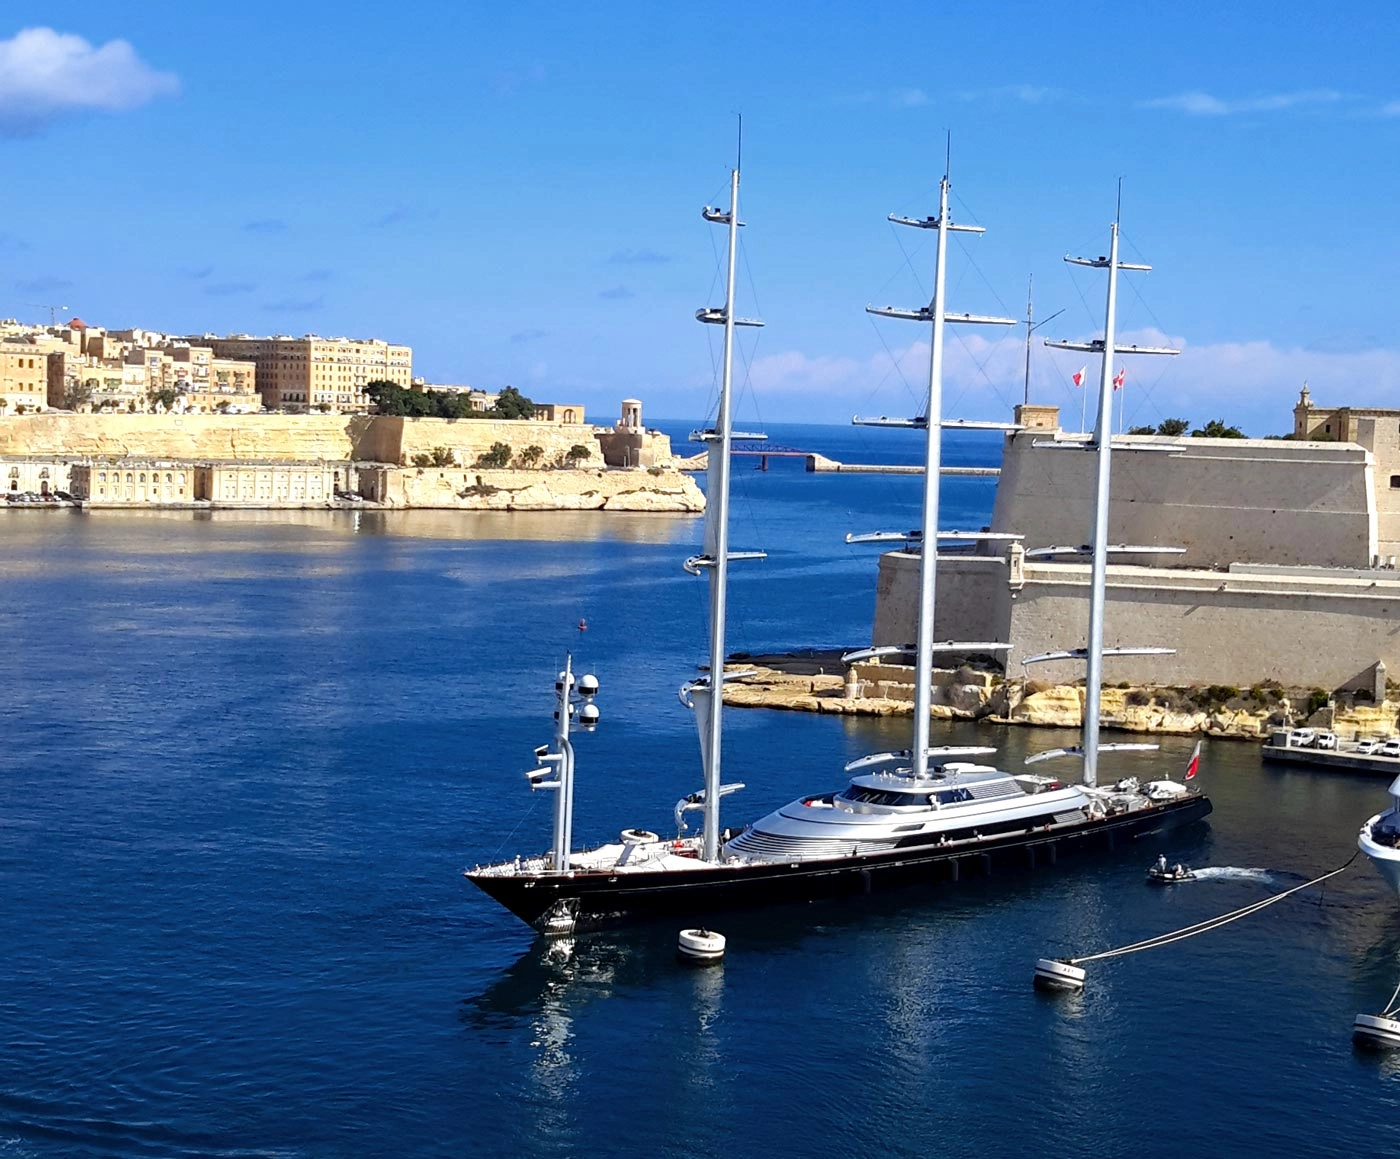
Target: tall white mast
x=1103, y=443
x=936, y=315
x=708, y=701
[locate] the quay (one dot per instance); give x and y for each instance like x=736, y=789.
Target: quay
x=1278, y=750
x=820, y=464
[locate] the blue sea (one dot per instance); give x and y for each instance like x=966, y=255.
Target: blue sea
x=246, y=757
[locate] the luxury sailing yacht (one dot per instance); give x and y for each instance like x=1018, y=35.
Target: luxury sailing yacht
x=923, y=815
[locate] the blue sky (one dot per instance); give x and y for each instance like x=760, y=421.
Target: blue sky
x=515, y=190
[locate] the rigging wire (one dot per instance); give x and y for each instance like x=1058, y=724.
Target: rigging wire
x=1209, y=924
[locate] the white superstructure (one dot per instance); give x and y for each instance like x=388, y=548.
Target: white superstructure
x=1380, y=839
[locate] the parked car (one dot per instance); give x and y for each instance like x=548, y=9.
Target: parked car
x=1391, y=748
x=1366, y=748
x=1302, y=738
x=1325, y=740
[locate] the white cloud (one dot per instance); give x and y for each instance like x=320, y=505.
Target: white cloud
x=45, y=74
x=902, y=98
x=1202, y=104
x=1253, y=384
x=1026, y=94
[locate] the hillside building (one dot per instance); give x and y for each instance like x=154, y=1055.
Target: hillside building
x=315, y=373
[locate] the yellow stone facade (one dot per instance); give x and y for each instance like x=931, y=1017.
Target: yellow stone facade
x=313, y=373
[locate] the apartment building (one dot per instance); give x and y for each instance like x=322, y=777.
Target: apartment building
x=315, y=373
x=24, y=377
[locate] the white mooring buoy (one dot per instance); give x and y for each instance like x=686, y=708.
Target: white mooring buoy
x=1054, y=974
x=700, y=946
x=1376, y=1030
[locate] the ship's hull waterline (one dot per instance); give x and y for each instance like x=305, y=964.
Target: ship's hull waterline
x=554, y=902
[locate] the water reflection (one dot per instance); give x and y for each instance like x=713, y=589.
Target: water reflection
x=552, y=526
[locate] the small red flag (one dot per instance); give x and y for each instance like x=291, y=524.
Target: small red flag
x=1119, y=378
x=1194, y=764
x=1079, y=375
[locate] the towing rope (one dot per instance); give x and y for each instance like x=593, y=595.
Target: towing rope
x=1215, y=923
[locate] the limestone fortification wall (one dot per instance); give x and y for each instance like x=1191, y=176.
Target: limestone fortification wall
x=368, y=438
x=197, y=437
x=1224, y=500
x=397, y=440
x=972, y=602
x=585, y=489
x=1302, y=627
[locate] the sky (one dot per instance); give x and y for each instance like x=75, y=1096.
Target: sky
x=515, y=191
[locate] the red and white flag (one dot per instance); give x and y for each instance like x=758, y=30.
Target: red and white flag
x=1120, y=378
x=1194, y=764
x=1079, y=376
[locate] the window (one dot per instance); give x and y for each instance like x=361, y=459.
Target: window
x=1395, y=482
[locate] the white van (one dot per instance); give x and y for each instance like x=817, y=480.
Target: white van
x=1326, y=740
x=1301, y=738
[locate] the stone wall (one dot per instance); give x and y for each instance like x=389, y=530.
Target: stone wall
x=303, y=438
x=1224, y=500
x=585, y=489
x=1300, y=626
x=397, y=440
x=186, y=437
x=972, y=603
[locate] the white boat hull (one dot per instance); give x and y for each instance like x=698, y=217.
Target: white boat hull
x=1385, y=858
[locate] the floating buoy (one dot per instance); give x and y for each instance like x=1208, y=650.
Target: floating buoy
x=700, y=946
x=1376, y=1030
x=1054, y=974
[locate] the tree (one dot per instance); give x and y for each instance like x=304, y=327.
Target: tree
x=165, y=396
x=576, y=454
x=511, y=404
x=1216, y=429
x=1173, y=427
x=77, y=394
x=497, y=456
x=530, y=456
x=1147, y=430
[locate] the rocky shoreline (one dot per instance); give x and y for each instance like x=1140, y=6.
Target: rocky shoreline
x=815, y=683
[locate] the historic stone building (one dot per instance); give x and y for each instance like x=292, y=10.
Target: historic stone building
x=315, y=373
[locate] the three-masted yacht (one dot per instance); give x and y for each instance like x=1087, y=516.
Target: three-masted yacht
x=922, y=815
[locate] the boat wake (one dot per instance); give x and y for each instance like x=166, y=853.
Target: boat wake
x=1234, y=873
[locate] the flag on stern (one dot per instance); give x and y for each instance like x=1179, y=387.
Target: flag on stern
x=1194, y=764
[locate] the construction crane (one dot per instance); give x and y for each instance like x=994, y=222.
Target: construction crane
x=53, y=310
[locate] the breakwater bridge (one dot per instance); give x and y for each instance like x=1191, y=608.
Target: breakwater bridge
x=819, y=463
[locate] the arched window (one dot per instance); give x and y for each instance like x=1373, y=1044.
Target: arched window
x=128, y=476
x=14, y=472
x=142, y=479
x=169, y=478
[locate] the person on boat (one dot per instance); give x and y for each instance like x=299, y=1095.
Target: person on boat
x=1178, y=871
x=1161, y=866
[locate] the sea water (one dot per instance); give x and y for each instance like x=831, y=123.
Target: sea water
x=246, y=757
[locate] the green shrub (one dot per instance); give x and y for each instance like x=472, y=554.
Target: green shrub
x=498, y=456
